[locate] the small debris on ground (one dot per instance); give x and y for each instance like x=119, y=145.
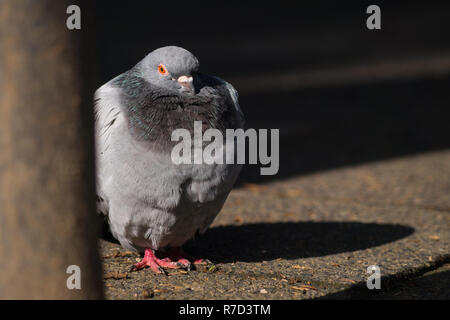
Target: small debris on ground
x=148, y=293
x=303, y=288
x=254, y=187
x=116, y=275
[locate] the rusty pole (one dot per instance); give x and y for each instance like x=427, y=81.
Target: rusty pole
x=47, y=216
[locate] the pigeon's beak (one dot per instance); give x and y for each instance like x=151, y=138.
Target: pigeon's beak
x=186, y=82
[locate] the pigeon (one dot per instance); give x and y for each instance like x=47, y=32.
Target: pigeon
x=152, y=204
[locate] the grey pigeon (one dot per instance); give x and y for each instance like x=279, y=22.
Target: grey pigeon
x=150, y=202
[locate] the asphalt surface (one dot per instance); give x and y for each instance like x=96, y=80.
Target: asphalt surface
x=314, y=236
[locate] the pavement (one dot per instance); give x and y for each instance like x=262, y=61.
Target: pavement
x=314, y=236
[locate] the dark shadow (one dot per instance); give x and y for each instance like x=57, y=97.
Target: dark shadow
x=433, y=285
x=326, y=128
x=105, y=232
x=323, y=127
x=245, y=39
x=291, y=240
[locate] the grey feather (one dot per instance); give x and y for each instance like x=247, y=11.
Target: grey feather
x=151, y=202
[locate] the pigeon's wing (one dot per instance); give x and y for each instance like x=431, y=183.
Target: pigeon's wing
x=107, y=112
x=232, y=92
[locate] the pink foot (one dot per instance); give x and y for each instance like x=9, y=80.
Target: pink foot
x=178, y=254
x=201, y=261
x=154, y=263
x=175, y=260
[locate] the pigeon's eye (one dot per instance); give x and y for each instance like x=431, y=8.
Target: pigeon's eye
x=162, y=69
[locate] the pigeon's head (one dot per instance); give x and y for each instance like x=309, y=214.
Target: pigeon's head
x=171, y=68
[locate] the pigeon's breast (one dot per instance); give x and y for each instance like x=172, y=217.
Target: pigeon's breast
x=151, y=174
x=160, y=203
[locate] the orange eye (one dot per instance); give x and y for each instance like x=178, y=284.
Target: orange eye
x=162, y=69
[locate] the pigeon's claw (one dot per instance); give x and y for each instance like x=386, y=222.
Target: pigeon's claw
x=184, y=264
x=178, y=254
x=175, y=260
x=150, y=260
x=202, y=261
